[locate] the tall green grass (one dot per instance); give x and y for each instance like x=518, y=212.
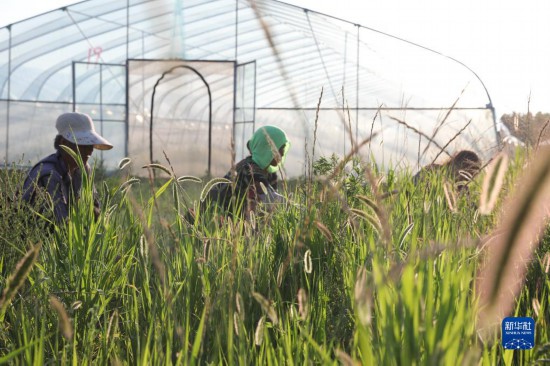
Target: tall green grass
x=362, y=268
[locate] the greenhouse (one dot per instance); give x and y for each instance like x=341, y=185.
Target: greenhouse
x=191, y=80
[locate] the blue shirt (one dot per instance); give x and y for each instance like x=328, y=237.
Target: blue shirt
x=51, y=176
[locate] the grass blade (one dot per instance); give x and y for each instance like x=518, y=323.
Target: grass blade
x=200, y=332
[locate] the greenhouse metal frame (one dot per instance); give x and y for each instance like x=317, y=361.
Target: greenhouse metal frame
x=190, y=80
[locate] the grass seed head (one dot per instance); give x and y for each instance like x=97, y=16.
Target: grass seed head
x=546, y=263
x=18, y=277
x=123, y=163
x=65, y=325
x=308, y=267
x=536, y=306
x=239, y=304
x=259, y=333
x=236, y=322
x=302, y=304
x=363, y=299
x=189, y=178
x=492, y=183
x=266, y=307
x=280, y=274
x=345, y=359
x=450, y=197
x=509, y=254
x=323, y=230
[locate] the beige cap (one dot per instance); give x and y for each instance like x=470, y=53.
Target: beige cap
x=79, y=129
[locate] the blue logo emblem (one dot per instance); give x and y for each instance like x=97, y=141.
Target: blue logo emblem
x=518, y=333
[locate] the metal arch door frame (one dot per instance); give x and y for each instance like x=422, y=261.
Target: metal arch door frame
x=209, y=112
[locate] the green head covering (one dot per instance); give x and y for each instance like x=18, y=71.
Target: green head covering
x=264, y=146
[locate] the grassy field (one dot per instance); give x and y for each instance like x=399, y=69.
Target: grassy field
x=361, y=268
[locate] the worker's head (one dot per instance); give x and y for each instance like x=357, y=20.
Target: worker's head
x=465, y=165
x=77, y=132
x=268, y=147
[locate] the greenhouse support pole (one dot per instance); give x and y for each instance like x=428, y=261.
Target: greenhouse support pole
x=233, y=134
x=127, y=108
x=254, y=109
x=127, y=28
x=233, y=130
x=74, y=85
x=101, y=106
x=344, y=82
x=357, y=86
x=9, y=97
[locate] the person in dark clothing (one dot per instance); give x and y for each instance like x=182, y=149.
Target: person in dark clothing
x=255, y=177
x=57, y=178
x=461, y=168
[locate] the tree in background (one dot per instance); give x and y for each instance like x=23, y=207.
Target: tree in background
x=531, y=129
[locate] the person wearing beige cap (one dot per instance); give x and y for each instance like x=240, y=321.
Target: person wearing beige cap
x=58, y=175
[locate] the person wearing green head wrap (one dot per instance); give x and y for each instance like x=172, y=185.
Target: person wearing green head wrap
x=266, y=145
x=255, y=177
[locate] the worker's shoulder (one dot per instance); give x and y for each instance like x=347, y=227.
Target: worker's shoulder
x=49, y=166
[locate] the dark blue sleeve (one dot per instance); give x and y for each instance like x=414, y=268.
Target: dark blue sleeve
x=42, y=179
x=59, y=195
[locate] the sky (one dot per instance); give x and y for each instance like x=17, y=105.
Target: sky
x=505, y=42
